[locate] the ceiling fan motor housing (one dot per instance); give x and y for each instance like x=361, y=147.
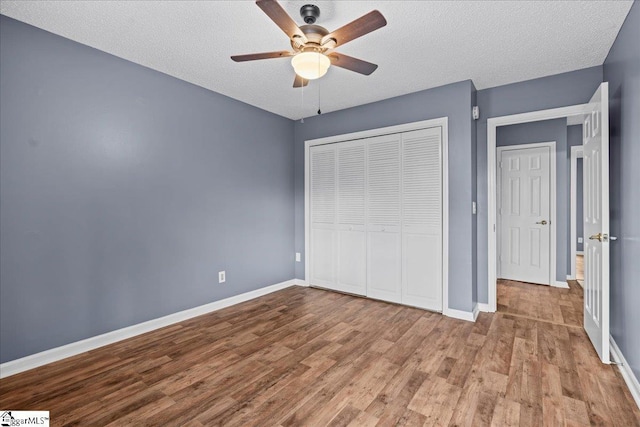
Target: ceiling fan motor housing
x=314, y=35
x=309, y=13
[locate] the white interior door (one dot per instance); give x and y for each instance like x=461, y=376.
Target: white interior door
x=384, y=257
x=422, y=218
x=524, y=214
x=352, y=250
x=596, y=221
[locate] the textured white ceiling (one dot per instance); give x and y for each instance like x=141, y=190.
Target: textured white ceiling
x=425, y=43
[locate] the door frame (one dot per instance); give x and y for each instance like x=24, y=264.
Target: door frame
x=577, y=152
x=492, y=124
x=442, y=122
x=552, y=202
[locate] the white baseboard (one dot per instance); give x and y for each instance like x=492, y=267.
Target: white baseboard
x=579, y=252
x=485, y=308
x=570, y=277
x=625, y=370
x=560, y=284
x=300, y=282
x=53, y=355
x=469, y=316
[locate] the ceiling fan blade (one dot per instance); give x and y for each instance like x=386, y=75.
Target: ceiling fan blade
x=353, y=64
x=361, y=26
x=278, y=15
x=299, y=81
x=264, y=55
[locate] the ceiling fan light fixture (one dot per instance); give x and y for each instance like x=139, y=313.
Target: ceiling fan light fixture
x=310, y=65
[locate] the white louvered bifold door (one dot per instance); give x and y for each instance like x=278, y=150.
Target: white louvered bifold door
x=422, y=218
x=376, y=217
x=351, y=250
x=384, y=263
x=323, y=216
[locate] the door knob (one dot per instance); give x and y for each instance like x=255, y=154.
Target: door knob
x=543, y=222
x=602, y=237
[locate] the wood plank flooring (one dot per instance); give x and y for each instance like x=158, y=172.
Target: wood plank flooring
x=308, y=357
x=541, y=302
x=580, y=269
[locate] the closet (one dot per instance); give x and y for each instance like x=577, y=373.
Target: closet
x=375, y=217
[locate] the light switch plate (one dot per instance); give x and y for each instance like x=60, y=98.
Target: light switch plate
x=298, y=257
x=222, y=276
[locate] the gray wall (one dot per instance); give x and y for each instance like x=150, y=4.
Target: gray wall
x=579, y=207
x=622, y=71
x=124, y=191
x=453, y=101
x=574, y=138
x=547, y=131
x=559, y=90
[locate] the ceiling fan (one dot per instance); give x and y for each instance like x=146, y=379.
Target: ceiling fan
x=313, y=45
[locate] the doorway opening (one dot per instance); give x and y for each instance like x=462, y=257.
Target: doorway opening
x=492, y=167
x=595, y=137
x=576, y=256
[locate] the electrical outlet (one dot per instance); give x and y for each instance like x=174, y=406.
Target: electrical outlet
x=222, y=276
x=579, y=239
x=298, y=257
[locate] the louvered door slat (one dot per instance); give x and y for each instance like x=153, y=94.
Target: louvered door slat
x=422, y=218
x=323, y=185
x=351, y=250
x=384, y=180
x=384, y=258
x=323, y=215
x=351, y=183
x=422, y=178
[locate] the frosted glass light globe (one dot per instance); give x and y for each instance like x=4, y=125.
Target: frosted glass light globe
x=310, y=65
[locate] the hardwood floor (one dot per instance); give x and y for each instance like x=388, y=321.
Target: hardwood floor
x=580, y=268
x=307, y=357
x=563, y=306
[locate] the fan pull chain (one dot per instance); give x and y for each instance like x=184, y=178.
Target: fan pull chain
x=319, y=112
x=302, y=106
